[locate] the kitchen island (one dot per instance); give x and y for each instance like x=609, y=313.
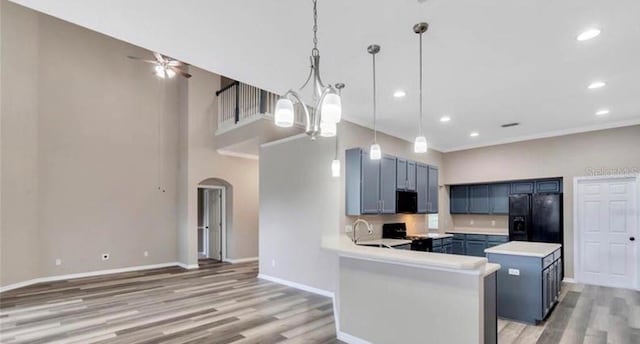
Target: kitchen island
x=432, y=297
x=529, y=279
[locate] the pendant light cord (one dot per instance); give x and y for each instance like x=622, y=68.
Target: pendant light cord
x=420, y=126
x=375, y=131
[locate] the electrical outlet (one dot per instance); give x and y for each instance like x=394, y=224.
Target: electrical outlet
x=493, y=223
x=273, y=263
x=348, y=228
x=146, y=253
x=471, y=222
x=58, y=261
x=105, y=256
x=514, y=272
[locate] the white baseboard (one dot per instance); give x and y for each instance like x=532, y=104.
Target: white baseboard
x=296, y=285
x=188, y=266
x=569, y=280
x=241, y=260
x=347, y=338
x=88, y=274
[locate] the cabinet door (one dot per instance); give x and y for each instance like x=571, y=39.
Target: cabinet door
x=422, y=187
x=387, y=184
x=545, y=293
x=401, y=174
x=479, y=199
x=411, y=175
x=457, y=246
x=522, y=187
x=432, y=196
x=499, y=198
x=459, y=199
x=370, y=185
x=475, y=248
x=550, y=186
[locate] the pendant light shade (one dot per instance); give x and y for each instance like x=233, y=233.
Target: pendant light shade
x=335, y=168
x=375, y=153
x=284, y=113
x=331, y=108
x=420, y=145
x=328, y=129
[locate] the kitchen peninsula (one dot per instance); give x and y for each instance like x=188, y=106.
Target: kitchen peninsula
x=382, y=288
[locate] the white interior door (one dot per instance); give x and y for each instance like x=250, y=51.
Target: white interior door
x=608, y=226
x=215, y=223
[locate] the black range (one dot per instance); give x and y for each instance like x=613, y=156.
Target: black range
x=399, y=231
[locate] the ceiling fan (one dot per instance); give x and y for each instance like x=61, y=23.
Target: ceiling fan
x=165, y=67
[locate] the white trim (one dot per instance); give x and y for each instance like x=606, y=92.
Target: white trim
x=226, y=152
x=576, y=232
x=188, y=266
x=286, y=139
x=90, y=274
x=347, y=338
x=225, y=127
x=569, y=280
x=241, y=260
x=296, y=285
x=548, y=134
x=223, y=231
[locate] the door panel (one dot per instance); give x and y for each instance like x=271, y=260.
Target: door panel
x=479, y=199
x=215, y=219
x=411, y=175
x=499, y=198
x=422, y=176
x=370, y=184
x=401, y=174
x=387, y=186
x=459, y=199
x=432, y=197
x=606, y=222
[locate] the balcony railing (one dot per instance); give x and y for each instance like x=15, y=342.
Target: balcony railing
x=240, y=104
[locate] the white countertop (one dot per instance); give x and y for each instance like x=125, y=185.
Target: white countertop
x=525, y=248
x=432, y=235
x=477, y=231
x=386, y=242
x=450, y=262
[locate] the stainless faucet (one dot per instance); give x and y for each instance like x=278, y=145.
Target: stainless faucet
x=355, y=228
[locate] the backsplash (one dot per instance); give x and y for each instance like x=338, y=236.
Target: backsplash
x=485, y=222
x=416, y=224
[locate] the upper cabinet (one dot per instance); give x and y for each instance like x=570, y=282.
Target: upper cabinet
x=405, y=175
x=494, y=198
x=371, y=185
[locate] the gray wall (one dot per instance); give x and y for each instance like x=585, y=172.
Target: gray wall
x=612, y=150
x=81, y=159
x=297, y=209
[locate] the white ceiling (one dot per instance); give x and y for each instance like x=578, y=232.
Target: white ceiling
x=486, y=62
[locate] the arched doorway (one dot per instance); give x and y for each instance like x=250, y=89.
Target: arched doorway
x=213, y=218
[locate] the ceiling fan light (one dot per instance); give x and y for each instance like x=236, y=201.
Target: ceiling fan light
x=283, y=116
x=335, y=168
x=328, y=129
x=420, y=145
x=331, y=108
x=159, y=71
x=170, y=72
x=375, y=153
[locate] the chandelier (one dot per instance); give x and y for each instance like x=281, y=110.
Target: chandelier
x=322, y=118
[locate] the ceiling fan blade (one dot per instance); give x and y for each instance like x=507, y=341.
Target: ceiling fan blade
x=158, y=57
x=142, y=60
x=181, y=72
x=174, y=63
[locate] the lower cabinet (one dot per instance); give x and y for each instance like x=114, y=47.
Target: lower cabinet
x=457, y=246
x=403, y=247
x=475, y=248
x=529, y=286
x=474, y=244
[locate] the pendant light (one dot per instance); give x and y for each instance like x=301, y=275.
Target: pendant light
x=375, y=152
x=321, y=119
x=335, y=164
x=420, y=144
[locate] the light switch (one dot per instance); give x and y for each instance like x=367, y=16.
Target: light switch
x=514, y=272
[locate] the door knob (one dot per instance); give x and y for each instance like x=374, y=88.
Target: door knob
x=632, y=238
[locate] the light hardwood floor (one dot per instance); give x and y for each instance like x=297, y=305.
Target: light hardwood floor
x=218, y=303
x=585, y=314
x=223, y=303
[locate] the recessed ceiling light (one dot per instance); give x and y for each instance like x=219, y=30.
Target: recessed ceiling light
x=602, y=112
x=445, y=119
x=474, y=134
x=596, y=84
x=589, y=34
x=399, y=94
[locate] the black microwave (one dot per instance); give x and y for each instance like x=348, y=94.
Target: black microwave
x=406, y=202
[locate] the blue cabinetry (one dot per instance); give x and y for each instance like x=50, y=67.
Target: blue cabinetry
x=370, y=184
x=432, y=191
x=479, y=199
x=549, y=186
x=459, y=199
x=474, y=244
x=499, y=199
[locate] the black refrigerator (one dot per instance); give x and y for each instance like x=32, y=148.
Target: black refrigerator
x=536, y=217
